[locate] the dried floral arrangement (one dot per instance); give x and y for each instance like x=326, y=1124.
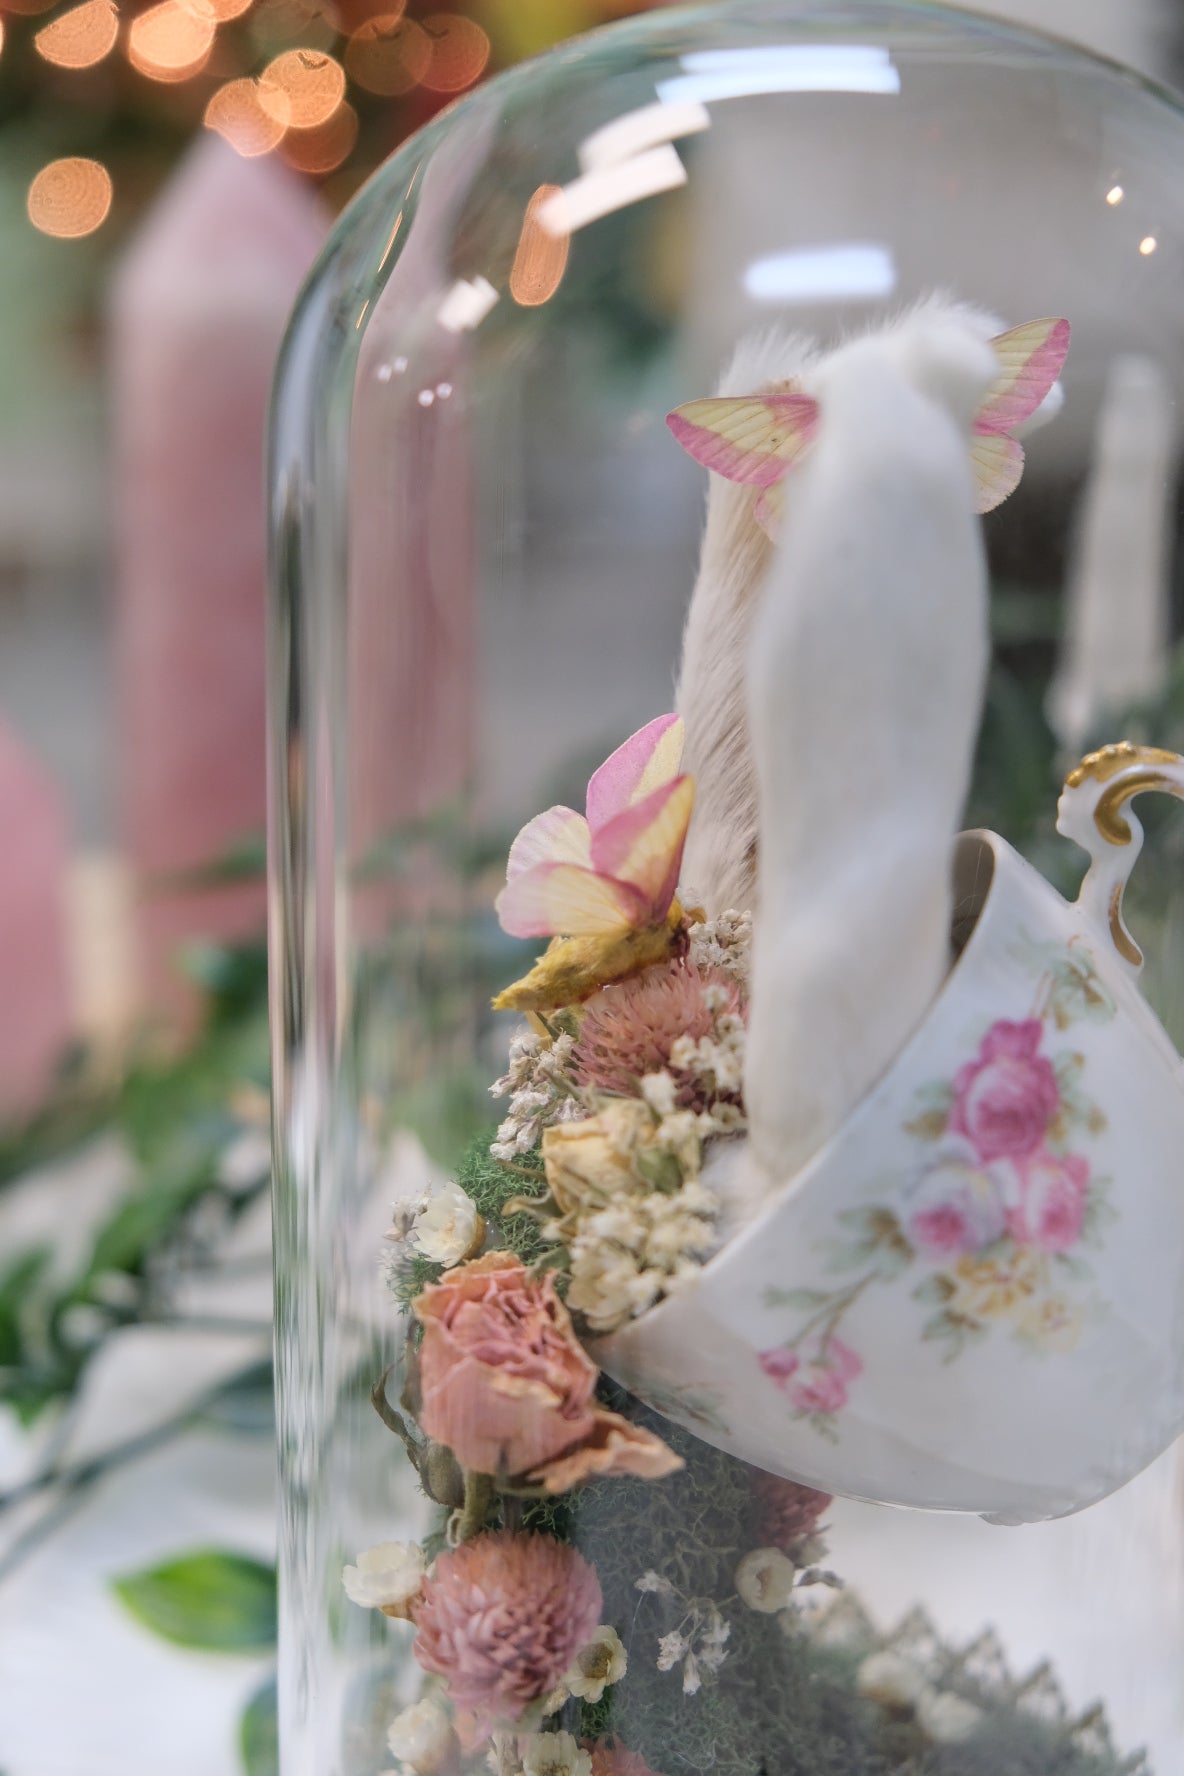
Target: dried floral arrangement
x=606, y=1594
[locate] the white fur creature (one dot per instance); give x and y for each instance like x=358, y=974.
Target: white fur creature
x=866, y=665
x=719, y=864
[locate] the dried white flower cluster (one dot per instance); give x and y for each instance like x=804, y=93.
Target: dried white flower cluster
x=699, y=1642
x=538, y=1754
x=422, y=1738
x=388, y=1577
x=724, y=944
x=899, y=1686
x=441, y=1223
x=627, y=1256
x=539, y=1086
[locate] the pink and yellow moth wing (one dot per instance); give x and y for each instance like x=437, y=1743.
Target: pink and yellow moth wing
x=642, y=848
x=559, y=835
x=1031, y=358
x=564, y=900
x=753, y=439
x=998, y=463
x=647, y=759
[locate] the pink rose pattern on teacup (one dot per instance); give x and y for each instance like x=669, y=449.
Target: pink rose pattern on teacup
x=814, y=1374
x=995, y=1214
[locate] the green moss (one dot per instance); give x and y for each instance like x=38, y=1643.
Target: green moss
x=491, y=1183
x=781, y=1705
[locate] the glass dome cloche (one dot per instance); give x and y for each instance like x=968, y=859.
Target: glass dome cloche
x=727, y=922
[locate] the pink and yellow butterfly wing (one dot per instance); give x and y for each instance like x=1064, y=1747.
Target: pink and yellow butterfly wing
x=565, y=900
x=753, y=439
x=1031, y=358
x=642, y=764
x=642, y=848
x=559, y=835
x=998, y=463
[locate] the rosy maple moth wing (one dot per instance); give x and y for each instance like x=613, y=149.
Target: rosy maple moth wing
x=558, y=835
x=566, y=900
x=998, y=463
x=640, y=765
x=1031, y=358
x=643, y=846
x=748, y=438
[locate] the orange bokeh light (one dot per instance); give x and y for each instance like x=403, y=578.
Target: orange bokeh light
x=80, y=37
x=388, y=54
x=237, y=112
x=322, y=149
x=225, y=10
x=69, y=198
x=302, y=87
x=171, y=41
x=460, y=50
x=540, y=259
x=311, y=23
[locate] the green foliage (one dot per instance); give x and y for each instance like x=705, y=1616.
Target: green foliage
x=492, y=1184
x=213, y=1600
x=258, y=1733
x=172, y=1114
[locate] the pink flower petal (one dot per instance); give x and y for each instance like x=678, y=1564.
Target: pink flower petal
x=647, y=759
x=559, y=835
x=643, y=846
x=565, y=900
x=1031, y=358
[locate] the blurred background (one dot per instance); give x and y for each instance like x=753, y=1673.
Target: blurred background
x=168, y=174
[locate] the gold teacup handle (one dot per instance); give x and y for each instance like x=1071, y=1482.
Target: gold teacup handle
x=1094, y=811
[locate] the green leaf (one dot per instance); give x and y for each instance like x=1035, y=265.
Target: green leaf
x=17, y=1284
x=935, y=1291
x=258, y=1733
x=212, y=1599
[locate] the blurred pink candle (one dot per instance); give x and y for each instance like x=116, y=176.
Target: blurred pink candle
x=35, y=1013
x=198, y=310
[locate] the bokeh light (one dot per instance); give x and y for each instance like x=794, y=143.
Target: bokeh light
x=237, y=113
x=81, y=37
x=312, y=23
x=69, y=198
x=388, y=55
x=460, y=50
x=324, y=149
x=541, y=257
x=302, y=87
x=225, y=10
x=27, y=8
x=171, y=41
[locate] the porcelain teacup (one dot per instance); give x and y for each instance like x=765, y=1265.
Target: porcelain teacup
x=972, y=1298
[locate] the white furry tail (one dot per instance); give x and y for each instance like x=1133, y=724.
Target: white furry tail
x=865, y=679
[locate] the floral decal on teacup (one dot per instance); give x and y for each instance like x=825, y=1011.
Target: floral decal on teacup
x=1000, y=1203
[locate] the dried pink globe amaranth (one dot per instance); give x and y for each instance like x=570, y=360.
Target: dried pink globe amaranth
x=788, y=1512
x=501, y=1619
x=628, y=1029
